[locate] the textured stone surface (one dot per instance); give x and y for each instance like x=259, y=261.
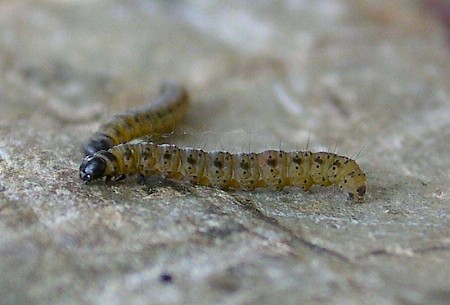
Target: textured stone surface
x=374, y=78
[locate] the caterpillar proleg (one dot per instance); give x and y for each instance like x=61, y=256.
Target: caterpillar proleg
x=275, y=169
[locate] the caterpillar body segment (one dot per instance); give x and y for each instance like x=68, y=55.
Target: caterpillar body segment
x=218, y=169
x=272, y=168
x=169, y=160
x=192, y=165
x=319, y=168
x=245, y=171
x=156, y=118
x=298, y=166
x=149, y=159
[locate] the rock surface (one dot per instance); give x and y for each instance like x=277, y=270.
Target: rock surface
x=371, y=79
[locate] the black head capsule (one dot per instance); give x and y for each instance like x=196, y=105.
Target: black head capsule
x=92, y=168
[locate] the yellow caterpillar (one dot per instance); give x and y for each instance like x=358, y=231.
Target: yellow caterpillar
x=271, y=169
x=156, y=118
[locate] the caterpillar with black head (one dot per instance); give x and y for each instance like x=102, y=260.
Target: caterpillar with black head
x=274, y=169
x=156, y=118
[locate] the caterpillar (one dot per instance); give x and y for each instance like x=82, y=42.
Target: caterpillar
x=107, y=155
x=274, y=169
x=156, y=118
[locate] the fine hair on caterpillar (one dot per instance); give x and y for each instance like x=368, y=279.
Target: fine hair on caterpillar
x=108, y=155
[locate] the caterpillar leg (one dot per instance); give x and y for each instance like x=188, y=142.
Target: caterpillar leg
x=141, y=179
x=120, y=178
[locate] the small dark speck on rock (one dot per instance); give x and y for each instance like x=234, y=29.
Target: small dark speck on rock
x=166, y=278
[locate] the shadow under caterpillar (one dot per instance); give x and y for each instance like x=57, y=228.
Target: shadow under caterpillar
x=274, y=169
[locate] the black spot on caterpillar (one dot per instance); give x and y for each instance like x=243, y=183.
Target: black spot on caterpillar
x=271, y=169
x=156, y=118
